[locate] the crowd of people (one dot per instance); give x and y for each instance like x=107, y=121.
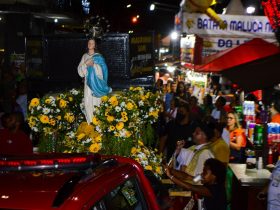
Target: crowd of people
x=201, y=139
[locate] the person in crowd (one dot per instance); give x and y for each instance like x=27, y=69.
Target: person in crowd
x=4, y=119
x=219, y=113
x=216, y=89
x=252, y=97
x=171, y=113
x=159, y=86
x=207, y=105
x=13, y=140
x=94, y=69
x=195, y=110
x=234, y=101
x=272, y=190
x=213, y=188
x=218, y=146
x=171, y=90
x=237, y=139
x=180, y=129
x=275, y=110
x=21, y=99
x=7, y=86
x=181, y=96
x=189, y=161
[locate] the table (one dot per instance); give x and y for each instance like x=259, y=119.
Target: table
x=246, y=184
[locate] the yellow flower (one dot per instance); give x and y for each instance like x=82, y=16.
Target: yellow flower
x=52, y=122
x=110, y=118
x=95, y=121
x=131, y=88
x=112, y=128
x=114, y=101
x=143, y=98
x=104, y=98
x=106, y=113
x=70, y=98
x=44, y=119
x=158, y=170
x=81, y=136
x=140, y=143
x=32, y=121
x=95, y=147
x=98, y=138
x=123, y=114
x=147, y=95
x=116, y=134
x=124, y=118
x=120, y=125
x=154, y=113
x=133, y=150
x=88, y=129
x=62, y=103
x=129, y=106
x=127, y=134
x=48, y=101
x=34, y=102
x=137, y=159
x=81, y=127
x=69, y=117
x=148, y=167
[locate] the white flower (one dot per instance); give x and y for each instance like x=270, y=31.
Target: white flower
x=87, y=140
x=98, y=129
x=46, y=110
x=74, y=92
x=123, y=104
x=118, y=109
x=39, y=107
x=151, y=109
x=57, y=110
x=141, y=103
x=71, y=134
x=35, y=129
x=122, y=133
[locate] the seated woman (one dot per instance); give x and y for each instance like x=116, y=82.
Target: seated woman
x=213, y=188
x=237, y=139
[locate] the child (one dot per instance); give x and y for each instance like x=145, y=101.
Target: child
x=213, y=188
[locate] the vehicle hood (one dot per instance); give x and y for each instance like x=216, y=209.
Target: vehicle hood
x=28, y=190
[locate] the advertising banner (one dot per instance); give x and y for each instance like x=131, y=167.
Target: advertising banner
x=141, y=54
x=239, y=30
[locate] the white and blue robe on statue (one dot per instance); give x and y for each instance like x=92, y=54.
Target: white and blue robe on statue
x=95, y=86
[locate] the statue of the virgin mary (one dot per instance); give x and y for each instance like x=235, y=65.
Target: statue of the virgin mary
x=94, y=69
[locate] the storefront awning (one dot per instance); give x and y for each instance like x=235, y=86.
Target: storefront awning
x=252, y=65
x=250, y=51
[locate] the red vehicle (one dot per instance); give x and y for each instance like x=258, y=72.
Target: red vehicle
x=74, y=181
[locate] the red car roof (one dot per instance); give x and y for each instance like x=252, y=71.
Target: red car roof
x=64, y=185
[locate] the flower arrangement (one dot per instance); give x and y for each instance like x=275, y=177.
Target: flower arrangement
x=147, y=103
x=115, y=122
x=148, y=158
x=118, y=124
x=56, y=116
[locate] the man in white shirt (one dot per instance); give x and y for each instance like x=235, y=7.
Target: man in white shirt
x=190, y=161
